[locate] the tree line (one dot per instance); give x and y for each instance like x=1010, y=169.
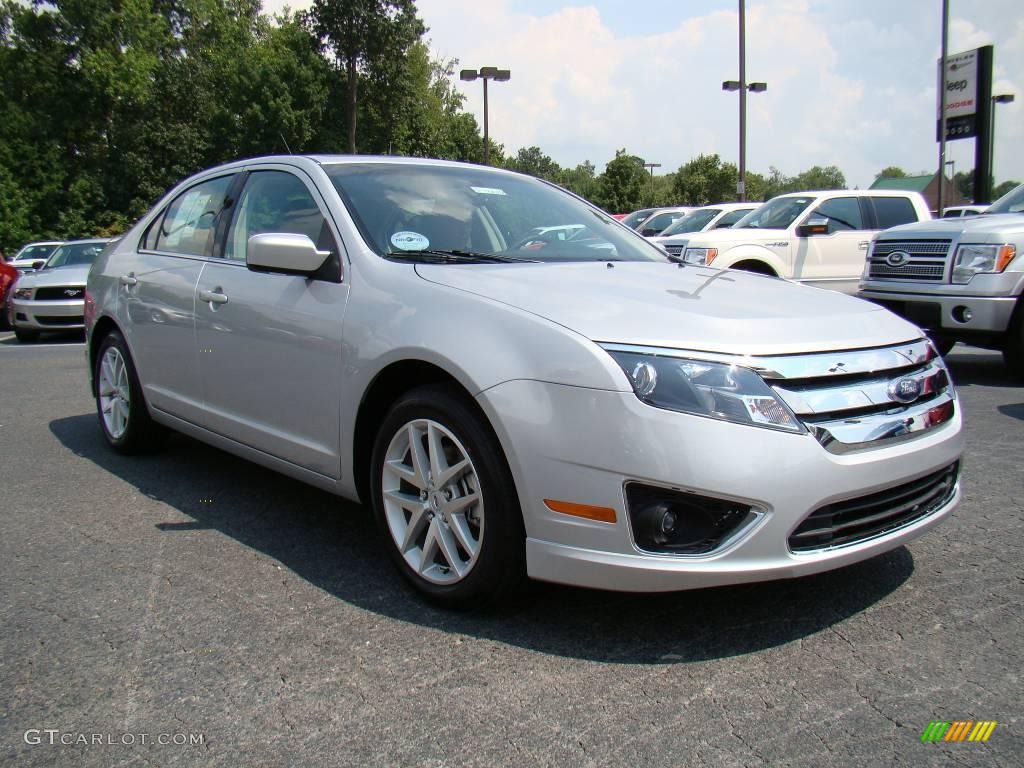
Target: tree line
x=106, y=105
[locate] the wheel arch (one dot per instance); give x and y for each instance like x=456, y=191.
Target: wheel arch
x=389, y=384
x=747, y=256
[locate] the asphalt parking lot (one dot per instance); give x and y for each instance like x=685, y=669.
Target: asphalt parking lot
x=192, y=597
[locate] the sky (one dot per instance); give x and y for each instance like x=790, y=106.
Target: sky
x=851, y=83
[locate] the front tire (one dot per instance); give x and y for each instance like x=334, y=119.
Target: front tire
x=120, y=405
x=26, y=335
x=445, y=501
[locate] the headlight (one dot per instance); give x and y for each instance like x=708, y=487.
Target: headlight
x=975, y=259
x=700, y=256
x=715, y=390
x=23, y=293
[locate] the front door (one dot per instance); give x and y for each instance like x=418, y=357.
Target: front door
x=836, y=259
x=269, y=345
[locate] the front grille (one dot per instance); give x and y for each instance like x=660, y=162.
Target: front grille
x=927, y=260
x=675, y=250
x=59, y=293
x=60, y=320
x=849, y=522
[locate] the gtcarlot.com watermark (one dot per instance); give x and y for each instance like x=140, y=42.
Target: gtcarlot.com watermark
x=56, y=736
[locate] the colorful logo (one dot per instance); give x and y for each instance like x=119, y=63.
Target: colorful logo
x=958, y=730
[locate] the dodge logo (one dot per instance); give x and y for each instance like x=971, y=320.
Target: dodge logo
x=897, y=258
x=905, y=390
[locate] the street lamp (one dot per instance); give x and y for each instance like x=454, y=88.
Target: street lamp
x=651, y=167
x=1002, y=98
x=742, y=86
x=485, y=74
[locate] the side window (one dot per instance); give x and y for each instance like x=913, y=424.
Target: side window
x=190, y=221
x=893, y=211
x=273, y=201
x=732, y=217
x=843, y=213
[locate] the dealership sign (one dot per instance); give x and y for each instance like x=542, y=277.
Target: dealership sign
x=960, y=90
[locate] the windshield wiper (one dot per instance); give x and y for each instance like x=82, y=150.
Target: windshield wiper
x=456, y=255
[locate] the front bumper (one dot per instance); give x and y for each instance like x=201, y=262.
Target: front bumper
x=583, y=446
x=944, y=313
x=48, y=315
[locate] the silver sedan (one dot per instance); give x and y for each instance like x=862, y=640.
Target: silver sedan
x=579, y=410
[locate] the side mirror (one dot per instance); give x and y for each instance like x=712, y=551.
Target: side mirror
x=39, y=264
x=814, y=226
x=284, y=252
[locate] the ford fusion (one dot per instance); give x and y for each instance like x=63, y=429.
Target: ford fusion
x=576, y=409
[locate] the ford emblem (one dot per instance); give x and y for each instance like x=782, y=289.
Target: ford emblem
x=897, y=258
x=905, y=390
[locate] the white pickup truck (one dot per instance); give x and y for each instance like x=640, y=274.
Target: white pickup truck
x=959, y=279
x=818, y=238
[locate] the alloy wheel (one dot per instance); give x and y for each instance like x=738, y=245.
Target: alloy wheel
x=432, y=501
x=114, y=393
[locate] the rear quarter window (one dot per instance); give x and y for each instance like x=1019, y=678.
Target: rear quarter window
x=893, y=211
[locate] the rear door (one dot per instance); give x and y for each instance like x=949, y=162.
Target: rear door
x=270, y=344
x=158, y=295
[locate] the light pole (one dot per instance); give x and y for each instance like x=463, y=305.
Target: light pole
x=742, y=86
x=952, y=175
x=651, y=167
x=485, y=74
x=1002, y=98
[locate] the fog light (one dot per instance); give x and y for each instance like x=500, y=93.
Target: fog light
x=962, y=314
x=674, y=522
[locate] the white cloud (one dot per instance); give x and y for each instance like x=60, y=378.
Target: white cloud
x=849, y=84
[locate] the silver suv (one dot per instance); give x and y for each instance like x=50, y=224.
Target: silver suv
x=579, y=410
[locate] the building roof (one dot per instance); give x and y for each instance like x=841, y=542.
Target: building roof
x=906, y=183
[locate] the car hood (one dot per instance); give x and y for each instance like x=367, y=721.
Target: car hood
x=75, y=275
x=667, y=305
x=729, y=236
x=994, y=224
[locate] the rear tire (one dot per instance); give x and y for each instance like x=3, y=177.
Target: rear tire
x=120, y=405
x=445, y=500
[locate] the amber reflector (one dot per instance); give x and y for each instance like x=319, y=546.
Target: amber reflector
x=603, y=514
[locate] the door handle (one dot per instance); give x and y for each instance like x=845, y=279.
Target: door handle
x=129, y=280
x=214, y=297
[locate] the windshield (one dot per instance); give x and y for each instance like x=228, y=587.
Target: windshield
x=74, y=254
x=636, y=218
x=694, y=221
x=775, y=214
x=35, y=252
x=425, y=211
x=1011, y=202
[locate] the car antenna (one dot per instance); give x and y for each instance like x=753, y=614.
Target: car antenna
x=285, y=143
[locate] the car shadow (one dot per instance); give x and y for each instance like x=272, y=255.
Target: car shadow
x=334, y=545
x=981, y=368
x=46, y=338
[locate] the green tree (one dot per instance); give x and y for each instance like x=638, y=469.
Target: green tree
x=891, y=172
x=621, y=186
x=816, y=178
x=534, y=162
x=369, y=40
x=1003, y=188
x=581, y=180
x=705, y=179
